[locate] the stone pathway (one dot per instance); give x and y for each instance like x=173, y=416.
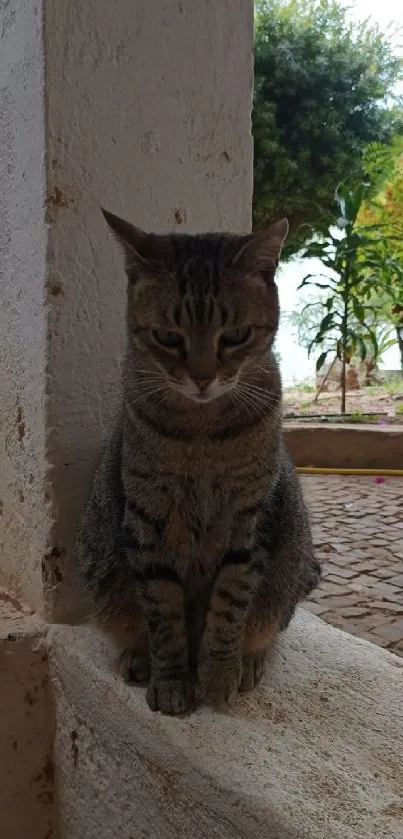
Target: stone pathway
x=358, y=534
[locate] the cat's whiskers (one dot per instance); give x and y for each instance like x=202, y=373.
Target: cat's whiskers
x=250, y=401
x=251, y=408
x=164, y=398
x=268, y=370
x=237, y=398
x=150, y=372
x=141, y=394
x=264, y=403
x=144, y=380
x=258, y=382
x=262, y=396
x=257, y=388
x=141, y=384
x=259, y=405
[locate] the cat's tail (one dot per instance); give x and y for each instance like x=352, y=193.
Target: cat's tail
x=313, y=577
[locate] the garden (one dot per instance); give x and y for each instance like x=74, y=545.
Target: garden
x=328, y=131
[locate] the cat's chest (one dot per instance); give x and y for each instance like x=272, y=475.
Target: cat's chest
x=198, y=518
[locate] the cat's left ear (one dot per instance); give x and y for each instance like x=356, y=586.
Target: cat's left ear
x=143, y=251
x=131, y=238
x=262, y=249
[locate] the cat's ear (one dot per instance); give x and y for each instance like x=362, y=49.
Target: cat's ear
x=261, y=250
x=142, y=250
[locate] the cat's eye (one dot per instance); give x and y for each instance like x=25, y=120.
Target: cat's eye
x=235, y=337
x=168, y=338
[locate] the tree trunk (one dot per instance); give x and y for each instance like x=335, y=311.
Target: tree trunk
x=343, y=384
x=324, y=380
x=344, y=335
x=399, y=333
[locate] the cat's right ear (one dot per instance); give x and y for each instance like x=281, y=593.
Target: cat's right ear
x=262, y=248
x=145, y=253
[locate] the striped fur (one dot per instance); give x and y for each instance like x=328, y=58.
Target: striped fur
x=194, y=545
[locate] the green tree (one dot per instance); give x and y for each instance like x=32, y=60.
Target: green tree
x=354, y=259
x=307, y=318
x=323, y=91
x=384, y=210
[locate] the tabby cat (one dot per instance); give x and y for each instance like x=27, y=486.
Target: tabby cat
x=194, y=545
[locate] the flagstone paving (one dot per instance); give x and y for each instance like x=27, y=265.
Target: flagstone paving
x=357, y=527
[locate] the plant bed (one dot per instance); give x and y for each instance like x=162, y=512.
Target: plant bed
x=370, y=405
x=356, y=418
x=345, y=445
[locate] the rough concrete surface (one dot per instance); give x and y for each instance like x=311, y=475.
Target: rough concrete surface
x=148, y=113
x=27, y=798
x=314, y=753
x=345, y=446
x=145, y=108
x=25, y=509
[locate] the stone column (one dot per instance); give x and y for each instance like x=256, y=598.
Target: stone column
x=143, y=107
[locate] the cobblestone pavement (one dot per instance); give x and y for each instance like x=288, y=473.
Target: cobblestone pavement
x=358, y=534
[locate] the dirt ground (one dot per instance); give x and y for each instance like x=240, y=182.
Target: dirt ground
x=386, y=406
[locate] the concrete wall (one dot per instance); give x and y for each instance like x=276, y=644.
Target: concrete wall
x=28, y=807
x=147, y=112
x=24, y=507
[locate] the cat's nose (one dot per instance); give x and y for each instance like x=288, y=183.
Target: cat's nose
x=203, y=383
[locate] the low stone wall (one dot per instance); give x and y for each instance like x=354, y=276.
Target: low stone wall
x=27, y=796
x=315, y=752
x=347, y=446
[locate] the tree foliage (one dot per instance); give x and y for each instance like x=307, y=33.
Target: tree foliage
x=384, y=211
x=323, y=88
x=307, y=320
x=353, y=256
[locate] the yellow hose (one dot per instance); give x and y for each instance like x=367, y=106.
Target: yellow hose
x=319, y=470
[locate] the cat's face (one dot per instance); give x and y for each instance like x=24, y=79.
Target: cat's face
x=203, y=310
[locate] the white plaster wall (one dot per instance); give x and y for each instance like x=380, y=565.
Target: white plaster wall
x=147, y=112
x=24, y=506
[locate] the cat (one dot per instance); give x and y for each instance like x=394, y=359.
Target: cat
x=194, y=545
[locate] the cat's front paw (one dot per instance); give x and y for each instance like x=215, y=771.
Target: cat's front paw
x=252, y=670
x=171, y=696
x=220, y=679
x=134, y=666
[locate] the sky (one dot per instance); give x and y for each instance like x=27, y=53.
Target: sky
x=295, y=365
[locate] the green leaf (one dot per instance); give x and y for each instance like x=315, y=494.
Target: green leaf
x=311, y=346
x=305, y=281
x=358, y=310
x=321, y=360
x=316, y=249
x=308, y=280
x=357, y=198
x=326, y=323
x=363, y=348
x=374, y=342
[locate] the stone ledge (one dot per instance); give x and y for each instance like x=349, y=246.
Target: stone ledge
x=314, y=753
x=345, y=446
x=27, y=805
